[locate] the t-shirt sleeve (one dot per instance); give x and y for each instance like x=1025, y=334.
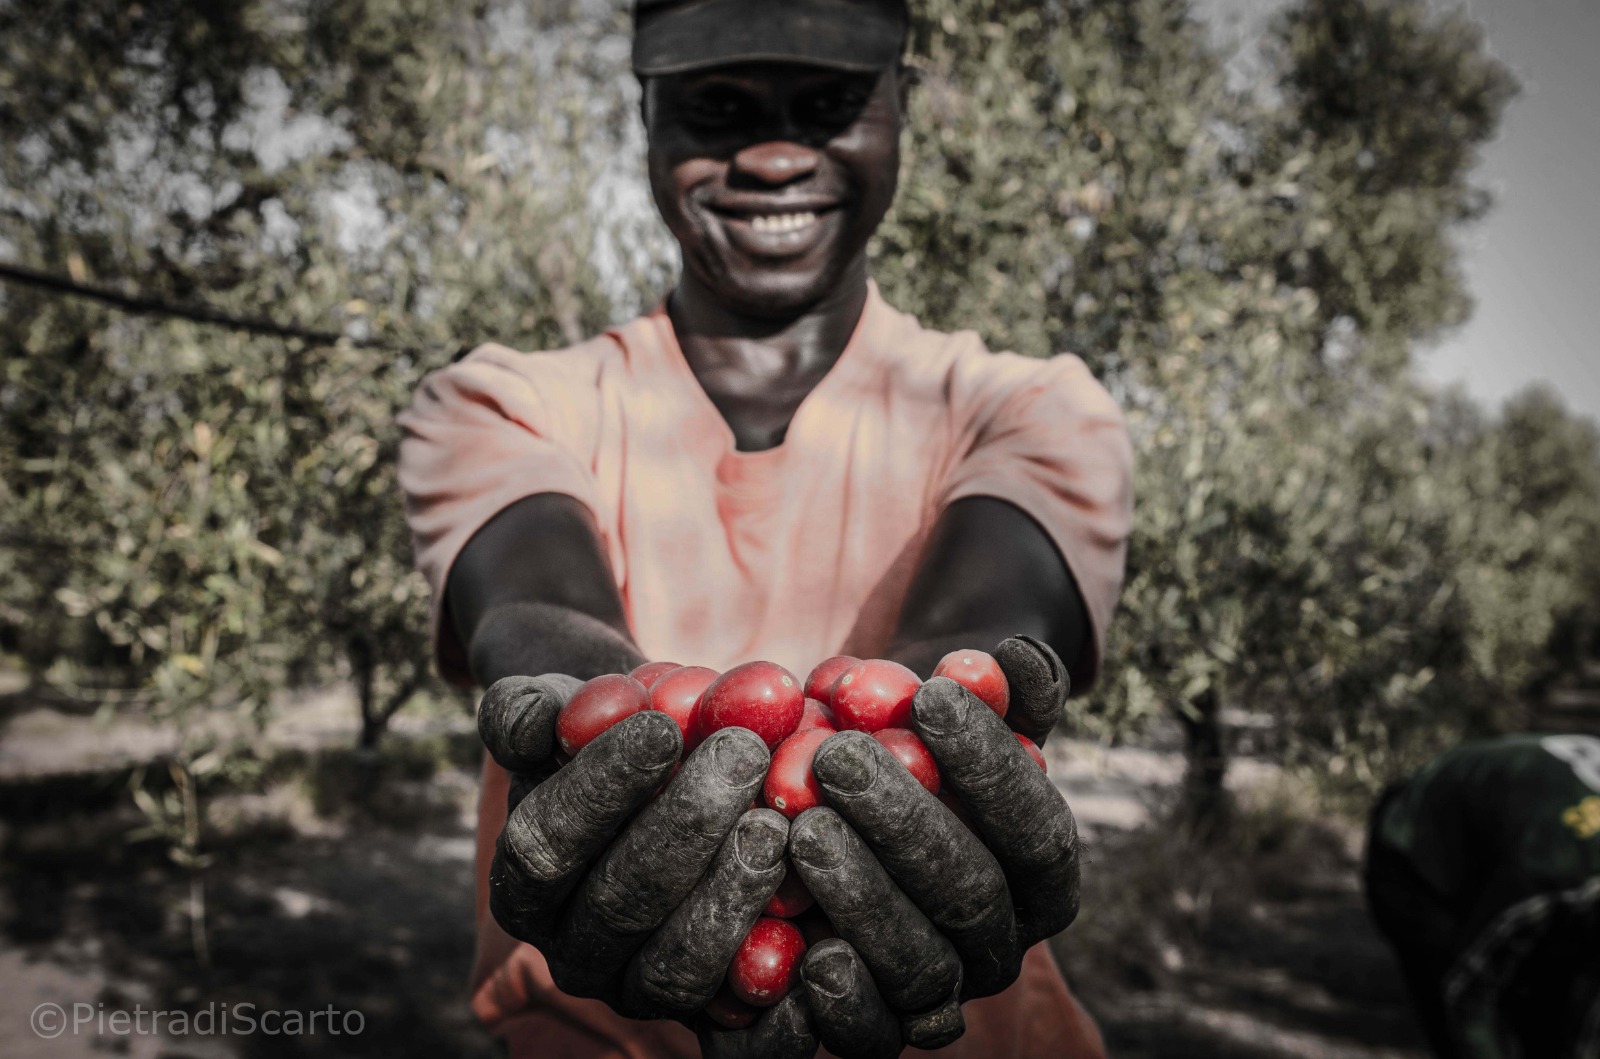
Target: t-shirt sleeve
x=479, y=436
x=1047, y=437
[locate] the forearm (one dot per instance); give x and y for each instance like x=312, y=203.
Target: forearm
x=988, y=572
x=529, y=639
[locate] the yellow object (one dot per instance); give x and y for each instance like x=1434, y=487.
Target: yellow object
x=1584, y=818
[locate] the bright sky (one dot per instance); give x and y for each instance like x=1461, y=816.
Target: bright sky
x=1534, y=263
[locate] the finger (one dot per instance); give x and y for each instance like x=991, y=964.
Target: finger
x=783, y=1032
x=652, y=867
x=914, y=966
x=937, y=1028
x=681, y=966
x=522, y=785
x=941, y=866
x=1039, y=685
x=1022, y=816
x=550, y=838
x=517, y=720
x=847, y=1011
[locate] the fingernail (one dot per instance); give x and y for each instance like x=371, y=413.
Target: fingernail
x=941, y=706
x=846, y=763
x=647, y=743
x=1052, y=662
x=740, y=757
x=522, y=727
x=831, y=973
x=936, y=1028
x=818, y=838
x=759, y=845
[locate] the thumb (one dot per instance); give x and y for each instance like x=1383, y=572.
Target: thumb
x=1039, y=686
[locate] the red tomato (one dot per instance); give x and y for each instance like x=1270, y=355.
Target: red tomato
x=873, y=695
x=729, y=1012
x=817, y=715
x=791, y=899
x=596, y=706
x=767, y=964
x=675, y=695
x=1033, y=750
x=650, y=671
x=819, y=685
x=910, y=752
x=791, y=788
x=761, y=696
x=979, y=673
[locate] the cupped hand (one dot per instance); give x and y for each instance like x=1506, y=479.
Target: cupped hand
x=932, y=912
x=637, y=898
x=593, y=864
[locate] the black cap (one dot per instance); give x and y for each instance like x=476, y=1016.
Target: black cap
x=676, y=36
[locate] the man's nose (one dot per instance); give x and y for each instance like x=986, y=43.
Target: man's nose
x=781, y=162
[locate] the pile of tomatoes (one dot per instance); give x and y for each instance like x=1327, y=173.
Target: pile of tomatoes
x=843, y=693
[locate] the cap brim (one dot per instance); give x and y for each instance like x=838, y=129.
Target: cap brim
x=697, y=36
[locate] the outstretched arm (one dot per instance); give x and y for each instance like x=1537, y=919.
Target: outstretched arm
x=988, y=572
x=936, y=913
x=532, y=592
x=635, y=897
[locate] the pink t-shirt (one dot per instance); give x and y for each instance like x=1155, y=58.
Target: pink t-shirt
x=790, y=554
x=794, y=553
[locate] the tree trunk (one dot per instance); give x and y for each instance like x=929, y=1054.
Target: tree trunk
x=372, y=729
x=1206, y=807
x=375, y=720
x=363, y=670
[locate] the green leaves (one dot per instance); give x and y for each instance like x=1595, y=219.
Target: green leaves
x=210, y=515
x=1248, y=271
x=213, y=514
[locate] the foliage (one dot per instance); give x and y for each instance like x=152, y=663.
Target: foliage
x=212, y=513
x=1252, y=273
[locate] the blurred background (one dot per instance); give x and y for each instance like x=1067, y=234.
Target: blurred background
x=234, y=236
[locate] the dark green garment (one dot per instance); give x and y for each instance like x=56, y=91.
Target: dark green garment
x=1506, y=836
x=1490, y=822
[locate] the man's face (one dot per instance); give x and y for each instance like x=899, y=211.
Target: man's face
x=773, y=176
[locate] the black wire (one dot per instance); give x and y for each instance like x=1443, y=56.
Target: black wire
x=154, y=307
x=202, y=314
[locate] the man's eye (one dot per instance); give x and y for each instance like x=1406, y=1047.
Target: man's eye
x=716, y=108
x=836, y=105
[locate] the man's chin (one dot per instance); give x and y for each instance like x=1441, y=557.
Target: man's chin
x=773, y=295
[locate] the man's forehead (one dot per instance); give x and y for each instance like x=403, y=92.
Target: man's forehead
x=681, y=36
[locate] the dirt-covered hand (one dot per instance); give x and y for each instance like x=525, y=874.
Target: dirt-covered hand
x=937, y=913
x=783, y=1031
x=609, y=880
x=838, y=1007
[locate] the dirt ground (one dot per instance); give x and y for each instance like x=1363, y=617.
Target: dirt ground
x=337, y=880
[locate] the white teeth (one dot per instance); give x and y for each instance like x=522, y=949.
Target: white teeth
x=783, y=222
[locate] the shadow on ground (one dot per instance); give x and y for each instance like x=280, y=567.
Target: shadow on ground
x=1242, y=951
x=367, y=908
x=346, y=881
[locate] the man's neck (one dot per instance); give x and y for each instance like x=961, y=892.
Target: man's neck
x=729, y=346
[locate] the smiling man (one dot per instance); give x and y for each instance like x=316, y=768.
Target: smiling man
x=773, y=464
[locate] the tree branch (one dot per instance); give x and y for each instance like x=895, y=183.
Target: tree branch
x=144, y=306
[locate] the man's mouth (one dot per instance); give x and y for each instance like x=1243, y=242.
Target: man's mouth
x=783, y=222
x=774, y=231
